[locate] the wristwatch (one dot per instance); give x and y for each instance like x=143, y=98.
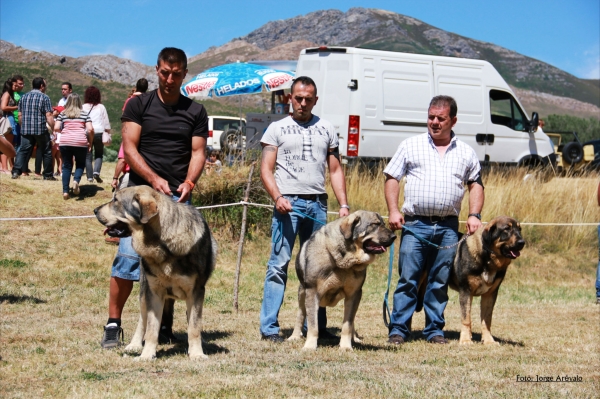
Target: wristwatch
x=345, y=206
x=477, y=215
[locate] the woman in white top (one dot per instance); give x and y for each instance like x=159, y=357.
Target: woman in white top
x=93, y=106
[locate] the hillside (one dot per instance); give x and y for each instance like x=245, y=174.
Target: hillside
x=540, y=86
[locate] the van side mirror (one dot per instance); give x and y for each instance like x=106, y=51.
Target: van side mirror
x=535, y=120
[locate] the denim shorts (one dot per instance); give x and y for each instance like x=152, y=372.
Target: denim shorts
x=127, y=262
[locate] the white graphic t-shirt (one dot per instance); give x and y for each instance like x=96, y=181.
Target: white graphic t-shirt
x=301, y=153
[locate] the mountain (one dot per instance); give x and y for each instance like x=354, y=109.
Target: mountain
x=101, y=67
x=539, y=86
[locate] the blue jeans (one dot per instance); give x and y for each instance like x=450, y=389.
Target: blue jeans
x=92, y=169
x=67, y=153
x=416, y=257
x=126, y=264
x=27, y=142
x=598, y=269
x=283, y=239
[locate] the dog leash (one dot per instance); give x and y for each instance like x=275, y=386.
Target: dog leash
x=386, y=309
x=276, y=238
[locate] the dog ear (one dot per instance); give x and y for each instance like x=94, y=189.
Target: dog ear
x=348, y=225
x=487, y=236
x=148, y=208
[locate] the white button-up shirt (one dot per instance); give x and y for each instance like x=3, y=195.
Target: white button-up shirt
x=435, y=186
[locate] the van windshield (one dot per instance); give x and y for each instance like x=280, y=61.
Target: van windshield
x=506, y=111
x=226, y=124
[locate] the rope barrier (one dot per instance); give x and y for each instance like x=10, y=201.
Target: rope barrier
x=263, y=206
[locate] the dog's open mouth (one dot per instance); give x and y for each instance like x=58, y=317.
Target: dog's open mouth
x=119, y=229
x=373, y=247
x=512, y=253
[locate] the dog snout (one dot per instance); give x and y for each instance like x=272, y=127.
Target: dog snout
x=520, y=244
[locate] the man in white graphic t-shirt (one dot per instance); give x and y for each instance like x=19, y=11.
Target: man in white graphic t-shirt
x=296, y=151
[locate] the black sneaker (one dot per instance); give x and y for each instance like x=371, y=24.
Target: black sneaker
x=97, y=177
x=15, y=176
x=273, y=338
x=111, y=340
x=51, y=178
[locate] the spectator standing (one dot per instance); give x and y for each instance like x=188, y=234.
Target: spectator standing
x=93, y=106
x=66, y=89
x=76, y=137
x=18, y=93
x=437, y=166
x=598, y=269
x=35, y=110
x=8, y=106
x=141, y=87
x=295, y=152
x=56, y=157
x=164, y=141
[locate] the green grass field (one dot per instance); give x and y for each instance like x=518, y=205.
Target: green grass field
x=54, y=278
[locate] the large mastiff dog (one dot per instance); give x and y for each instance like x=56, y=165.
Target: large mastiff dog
x=479, y=268
x=178, y=256
x=332, y=265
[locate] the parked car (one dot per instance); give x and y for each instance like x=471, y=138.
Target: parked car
x=571, y=154
x=595, y=144
x=225, y=133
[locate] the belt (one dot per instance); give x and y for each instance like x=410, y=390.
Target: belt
x=310, y=197
x=432, y=219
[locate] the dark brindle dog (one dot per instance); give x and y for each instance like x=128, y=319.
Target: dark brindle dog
x=178, y=256
x=479, y=268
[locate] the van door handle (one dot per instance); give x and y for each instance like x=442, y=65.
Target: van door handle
x=484, y=139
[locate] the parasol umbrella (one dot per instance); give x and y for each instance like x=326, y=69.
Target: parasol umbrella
x=236, y=79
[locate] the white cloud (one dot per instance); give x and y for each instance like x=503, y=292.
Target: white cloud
x=590, y=68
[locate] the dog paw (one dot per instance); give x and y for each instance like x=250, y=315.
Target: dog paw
x=465, y=342
x=346, y=349
x=309, y=348
x=131, y=348
x=200, y=356
x=295, y=338
x=492, y=342
x=144, y=358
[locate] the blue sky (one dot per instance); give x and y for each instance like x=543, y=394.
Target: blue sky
x=563, y=33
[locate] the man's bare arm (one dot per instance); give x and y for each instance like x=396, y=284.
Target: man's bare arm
x=131, y=133
x=476, y=198
x=267, y=170
x=338, y=182
x=49, y=119
x=392, y=191
x=195, y=168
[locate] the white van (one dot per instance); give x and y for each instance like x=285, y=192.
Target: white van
x=224, y=133
x=376, y=99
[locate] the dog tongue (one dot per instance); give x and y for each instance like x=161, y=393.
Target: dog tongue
x=515, y=253
x=105, y=231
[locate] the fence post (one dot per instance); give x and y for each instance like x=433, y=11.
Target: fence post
x=236, y=283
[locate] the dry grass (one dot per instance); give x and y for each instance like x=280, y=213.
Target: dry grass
x=53, y=302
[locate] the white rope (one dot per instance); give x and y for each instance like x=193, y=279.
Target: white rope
x=271, y=207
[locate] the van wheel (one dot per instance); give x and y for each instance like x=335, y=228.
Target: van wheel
x=231, y=140
x=572, y=153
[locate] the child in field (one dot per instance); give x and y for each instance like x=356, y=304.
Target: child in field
x=213, y=163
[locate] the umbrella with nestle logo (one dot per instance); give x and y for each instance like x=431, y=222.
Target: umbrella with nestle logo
x=237, y=78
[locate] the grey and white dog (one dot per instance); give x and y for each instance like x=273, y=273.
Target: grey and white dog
x=178, y=256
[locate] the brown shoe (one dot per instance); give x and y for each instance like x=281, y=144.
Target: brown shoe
x=396, y=339
x=438, y=339
x=112, y=240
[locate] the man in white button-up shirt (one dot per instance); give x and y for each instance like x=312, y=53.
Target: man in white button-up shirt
x=437, y=167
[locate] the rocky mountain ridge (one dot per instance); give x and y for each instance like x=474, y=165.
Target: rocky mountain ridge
x=101, y=67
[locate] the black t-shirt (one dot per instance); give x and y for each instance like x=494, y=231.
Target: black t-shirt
x=166, y=138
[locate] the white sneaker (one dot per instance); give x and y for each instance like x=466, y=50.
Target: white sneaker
x=76, y=188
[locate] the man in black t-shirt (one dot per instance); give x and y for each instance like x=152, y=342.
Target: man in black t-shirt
x=164, y=138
